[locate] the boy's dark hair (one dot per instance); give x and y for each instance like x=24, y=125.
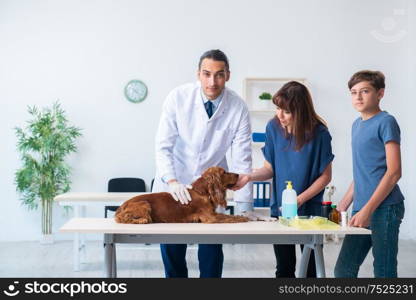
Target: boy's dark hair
x=217, y=55
x=375, y=78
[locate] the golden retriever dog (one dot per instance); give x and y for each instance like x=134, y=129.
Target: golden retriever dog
x=207, y=193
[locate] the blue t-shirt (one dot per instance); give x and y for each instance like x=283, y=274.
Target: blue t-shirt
x=369, y=157
x=301, y=167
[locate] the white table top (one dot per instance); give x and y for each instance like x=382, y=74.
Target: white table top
x=96, y=197
x=103, y=225
x=103, y=198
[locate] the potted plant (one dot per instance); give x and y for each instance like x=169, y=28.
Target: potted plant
x=265, y=100
x=43, y=146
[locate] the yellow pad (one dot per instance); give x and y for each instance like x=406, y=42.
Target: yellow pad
x=309, y=223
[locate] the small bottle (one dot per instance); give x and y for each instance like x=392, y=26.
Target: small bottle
x=335, y=215
x=289, y=202
x=344, y=220
x=326, y=209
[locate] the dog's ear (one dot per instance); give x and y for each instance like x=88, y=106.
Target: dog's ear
x=217, y=195
x=200, y=186
x=215, y=186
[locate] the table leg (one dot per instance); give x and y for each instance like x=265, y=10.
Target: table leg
x=82, y=247
x=114, y=262
x=319, y=261
x=108, y=265
x=304, y=260
x=317, y=246
x=76, y=243
x=76, y=252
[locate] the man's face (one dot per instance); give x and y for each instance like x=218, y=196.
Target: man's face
x=365, y=98
x=213, y=75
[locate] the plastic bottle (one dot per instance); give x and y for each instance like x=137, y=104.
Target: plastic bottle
x=289, y=201
x=326, y=209
x=335, y=215
x=344, y=220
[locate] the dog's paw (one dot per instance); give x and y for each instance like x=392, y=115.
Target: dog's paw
x=267, y=219
x=242, y=219
x=252, y=216
x=140, y=220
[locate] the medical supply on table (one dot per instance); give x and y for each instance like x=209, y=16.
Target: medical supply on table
x=334, y=215
x=344, y=219
x=289, y=201
x=326, y=209
x=308, y=223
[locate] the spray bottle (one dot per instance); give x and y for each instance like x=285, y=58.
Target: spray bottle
x=289, y=202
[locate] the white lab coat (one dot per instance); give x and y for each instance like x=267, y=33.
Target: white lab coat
x=188, y=142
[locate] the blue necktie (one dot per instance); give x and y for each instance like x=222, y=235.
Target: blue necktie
x=209, y=108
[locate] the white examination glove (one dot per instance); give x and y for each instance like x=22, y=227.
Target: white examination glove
x=180, y=192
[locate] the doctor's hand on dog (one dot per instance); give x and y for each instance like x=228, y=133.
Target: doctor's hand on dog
x=180, y=191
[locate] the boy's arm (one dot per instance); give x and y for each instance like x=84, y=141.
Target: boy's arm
x=387, y=183
x=317, y=186
x=347, y=199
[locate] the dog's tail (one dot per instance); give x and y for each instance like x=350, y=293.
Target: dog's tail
x=137, y=212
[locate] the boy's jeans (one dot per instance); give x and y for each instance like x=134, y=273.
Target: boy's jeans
x=385, y=223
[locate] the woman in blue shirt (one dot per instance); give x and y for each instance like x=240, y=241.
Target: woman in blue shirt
x=297, y=148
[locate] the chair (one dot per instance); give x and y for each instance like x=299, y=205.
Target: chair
x=151, y=184
x=124, y=185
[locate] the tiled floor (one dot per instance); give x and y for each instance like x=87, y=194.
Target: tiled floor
x=30, y=259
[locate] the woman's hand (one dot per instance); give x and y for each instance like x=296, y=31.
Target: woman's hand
x=243, y=179
x=264, y=173
x=300, y=200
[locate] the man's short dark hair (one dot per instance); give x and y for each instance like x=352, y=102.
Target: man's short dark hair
x=217, y=55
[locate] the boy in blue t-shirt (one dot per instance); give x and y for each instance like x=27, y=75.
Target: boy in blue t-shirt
x=378, y=201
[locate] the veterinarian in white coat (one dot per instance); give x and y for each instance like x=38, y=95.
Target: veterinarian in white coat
x=200, y=122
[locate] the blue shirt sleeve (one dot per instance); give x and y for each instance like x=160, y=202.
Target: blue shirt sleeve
x=389, y=130
x=268, y=149
x=326, y=155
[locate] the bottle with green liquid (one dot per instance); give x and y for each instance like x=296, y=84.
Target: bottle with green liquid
x=289, y=202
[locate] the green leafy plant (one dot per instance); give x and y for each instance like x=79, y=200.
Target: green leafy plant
x=43, y=146
x=265, y=96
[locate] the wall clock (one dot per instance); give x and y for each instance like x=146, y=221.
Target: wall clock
x=135, y=91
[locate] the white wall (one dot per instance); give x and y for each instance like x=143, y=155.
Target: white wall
x=83, y=53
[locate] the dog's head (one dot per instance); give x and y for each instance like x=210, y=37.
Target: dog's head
x=214, y=182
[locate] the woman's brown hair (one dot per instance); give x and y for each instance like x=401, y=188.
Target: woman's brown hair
x=295, y=98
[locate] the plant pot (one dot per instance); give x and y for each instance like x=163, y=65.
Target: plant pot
x=47, y=221
x=264, y=104
x=46, y=239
